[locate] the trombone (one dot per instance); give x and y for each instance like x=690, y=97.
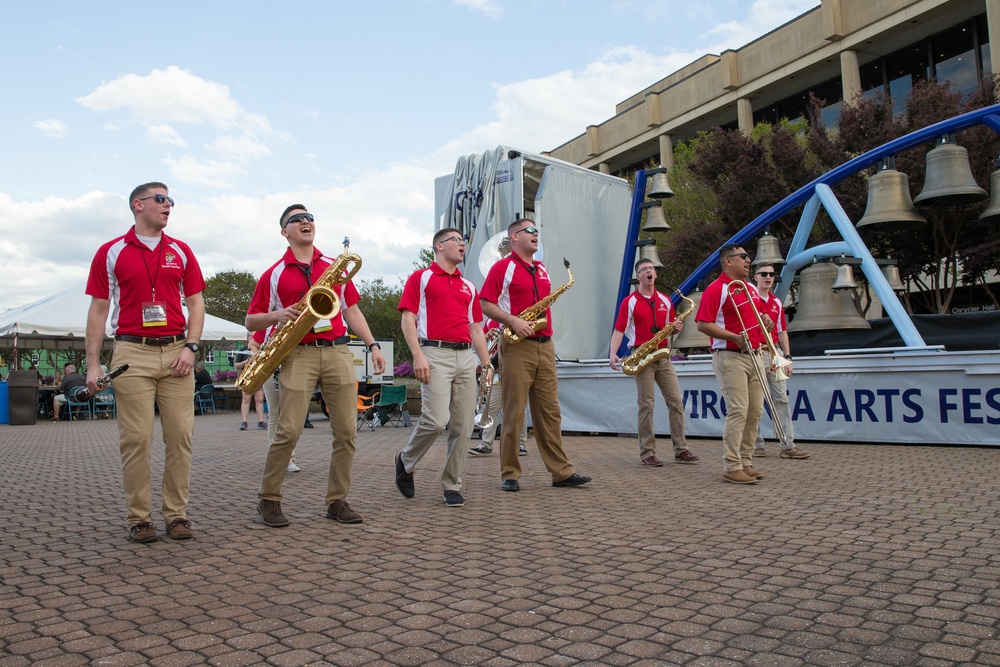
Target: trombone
x=778, y=362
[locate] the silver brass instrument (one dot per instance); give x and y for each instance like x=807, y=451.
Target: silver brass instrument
x=83, y=394
x=484, y=419
x=319, y=303
x=778, y=361
x=650, y=351
x=535, y=314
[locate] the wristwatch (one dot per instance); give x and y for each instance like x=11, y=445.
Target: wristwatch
x=374, y=344
x=194, y=347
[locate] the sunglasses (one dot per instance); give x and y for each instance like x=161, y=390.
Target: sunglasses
x=530, y=230
x=158, y=198
x=299, y=217
x=741, y=255
x=766, y=274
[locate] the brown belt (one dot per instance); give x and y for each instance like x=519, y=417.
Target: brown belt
x=155, y=342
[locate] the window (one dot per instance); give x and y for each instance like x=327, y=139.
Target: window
x=954, y=54
x=210, y=356
x=903, y=69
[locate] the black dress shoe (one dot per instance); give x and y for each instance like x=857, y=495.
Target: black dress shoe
x=404, y=480
x=510, y=485
x=573, y=480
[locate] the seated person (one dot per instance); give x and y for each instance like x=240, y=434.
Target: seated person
x=201, y=376
x=71, y=380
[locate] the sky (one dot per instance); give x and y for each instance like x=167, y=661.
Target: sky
x=350, y=108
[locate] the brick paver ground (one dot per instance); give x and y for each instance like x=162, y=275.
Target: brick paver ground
x=862, y=555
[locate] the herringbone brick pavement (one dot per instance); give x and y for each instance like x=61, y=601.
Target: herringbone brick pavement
x=862, y=555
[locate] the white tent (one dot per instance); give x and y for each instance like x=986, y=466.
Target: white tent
x=60, y=321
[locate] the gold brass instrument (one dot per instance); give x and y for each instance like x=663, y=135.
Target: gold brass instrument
x=778, y=361
x=536, y=313
x=484, y=419
x=650, y=351
x=319, y=303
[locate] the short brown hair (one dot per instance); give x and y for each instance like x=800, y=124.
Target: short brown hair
x=140, y=190
x=293, y=207
x=444, y=232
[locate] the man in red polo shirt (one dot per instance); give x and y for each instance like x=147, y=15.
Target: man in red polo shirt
x=442, y=322
x=529, y=367
x=144, y=273
x=718, y=318
x=320, y=357
x=643, y=313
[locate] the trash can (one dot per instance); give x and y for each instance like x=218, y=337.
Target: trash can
x=4, y=403
x=22, y=387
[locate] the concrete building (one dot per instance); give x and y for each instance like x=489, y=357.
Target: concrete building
x=837, y=51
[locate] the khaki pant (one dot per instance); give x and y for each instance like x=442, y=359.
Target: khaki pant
x=744, y=404
x=449, y=398
x=148, y=379
x=659, y=373
x=529, y=372
x=782, y=411
x=301, y=370
x=496, y=403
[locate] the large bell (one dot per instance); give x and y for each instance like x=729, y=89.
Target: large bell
x=690, y=336
x=768, y=251
x=647, y=250
x=891, y=274
x=889, y=203
x=820, y=308
x=845, y=278
x=659, y=187
x=992, y=212
x=656, y=221
x=949, y=180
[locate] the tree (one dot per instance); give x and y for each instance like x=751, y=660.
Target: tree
x=379, y=303
x=227, y=294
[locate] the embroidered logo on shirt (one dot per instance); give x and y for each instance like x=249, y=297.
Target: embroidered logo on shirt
x=170, y=260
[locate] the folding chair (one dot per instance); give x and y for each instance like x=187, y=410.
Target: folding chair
x=220, y=399
x=105, y=404
x=392, y=405
x=76, y=406
x=203, y=397
x=366, y=408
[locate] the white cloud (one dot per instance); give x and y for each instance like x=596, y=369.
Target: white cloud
x=209, y=173
x=238, y=148
x=52, y=127
x=164, y=134
x=490, y=8
x=762, y=17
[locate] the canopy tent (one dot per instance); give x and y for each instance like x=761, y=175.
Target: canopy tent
x=60, y=321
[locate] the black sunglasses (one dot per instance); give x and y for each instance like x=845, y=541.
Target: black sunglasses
x=766, y=274
x=299, y=217
x=530, y=230
x=741, y=255
x=158, y=198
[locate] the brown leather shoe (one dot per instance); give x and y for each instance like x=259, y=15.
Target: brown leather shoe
x=340, y=511
x=270, y=512
x=652, y=461
x=794, y=453
x=143, y=533
x=179, y=529
x=753, y=472
x=686, y=456
x=738, y=477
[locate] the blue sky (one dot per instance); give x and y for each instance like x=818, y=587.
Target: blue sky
x=350, y=108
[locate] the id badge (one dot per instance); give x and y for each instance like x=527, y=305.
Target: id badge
x=154, y=313
x=320, y=326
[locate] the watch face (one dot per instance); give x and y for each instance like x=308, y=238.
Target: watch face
x=194, y=347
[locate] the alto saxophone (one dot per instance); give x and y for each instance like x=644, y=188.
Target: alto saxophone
x=536, y=313
x=484, y=419
x=650, y=351
x=319, y=303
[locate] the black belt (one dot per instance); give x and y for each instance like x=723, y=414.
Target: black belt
x=325, y=342
x=443, y=343
x=733, y=351
x=540, y=339
x=156, y=342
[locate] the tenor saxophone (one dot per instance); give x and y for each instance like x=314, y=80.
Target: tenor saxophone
x=536, y=312
x=319, y=303
x=650, y=351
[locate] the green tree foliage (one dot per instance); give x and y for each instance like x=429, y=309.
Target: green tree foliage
x=379, y=303
x=227, y=294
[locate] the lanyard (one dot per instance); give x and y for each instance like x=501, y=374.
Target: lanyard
x=652, y=306
x=159, y=263
x=531, y=270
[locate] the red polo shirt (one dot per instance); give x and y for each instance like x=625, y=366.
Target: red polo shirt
x=445, y=304
x=512, y=287
x=636, y=318
x=773, y=308
x=717, y=306
x=287, y=281
x=124, y=271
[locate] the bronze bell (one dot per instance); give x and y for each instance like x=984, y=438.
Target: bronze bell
x=821, y=308
x=949, y=180
x=659, y=187
x=656, y=221
x=992, y=212
x=768, y=251
x=889, y=203
x=845, y=278
x=891, y=274
x=647, y=250
x=690, y=336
